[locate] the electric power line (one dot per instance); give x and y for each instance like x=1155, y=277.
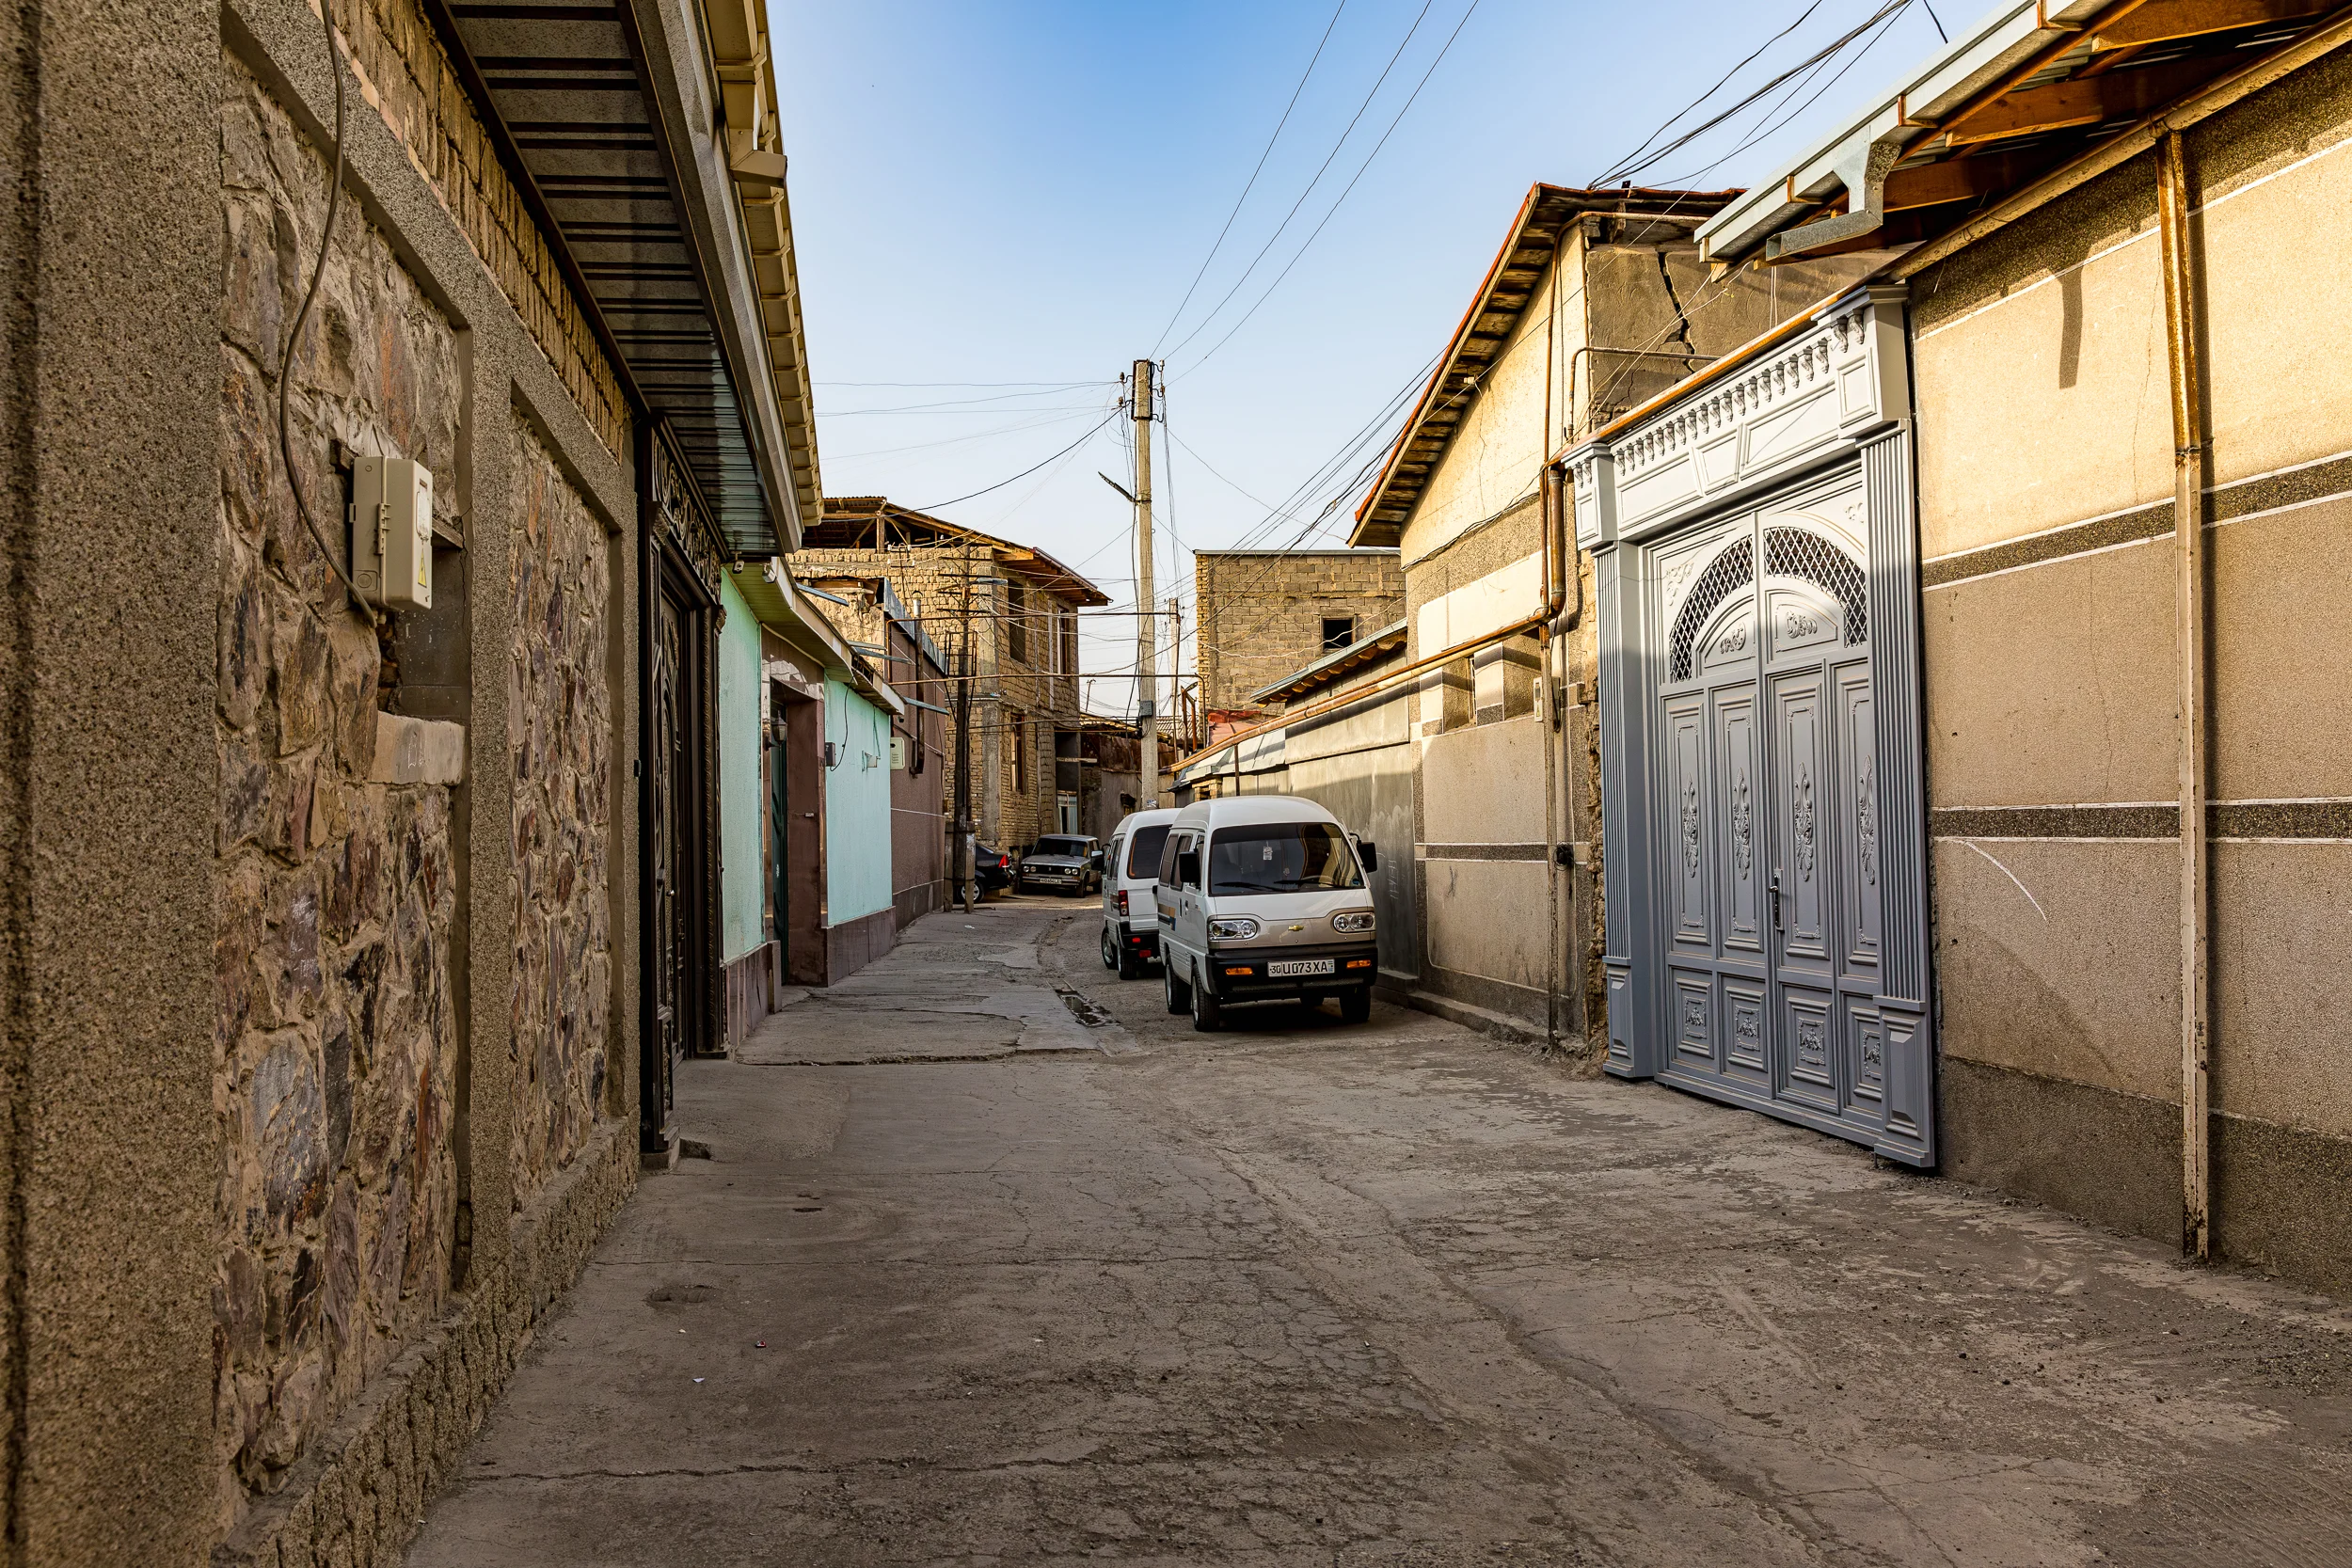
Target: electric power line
x=1251, y=183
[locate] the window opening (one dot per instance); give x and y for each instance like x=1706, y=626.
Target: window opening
x=1338, y=631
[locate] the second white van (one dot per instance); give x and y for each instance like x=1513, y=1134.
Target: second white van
x=1131, y=865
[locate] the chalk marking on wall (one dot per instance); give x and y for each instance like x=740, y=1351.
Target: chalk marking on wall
x=2226, y=196
x=2013, y=876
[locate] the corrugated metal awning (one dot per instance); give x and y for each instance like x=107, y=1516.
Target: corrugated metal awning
x=570, y=84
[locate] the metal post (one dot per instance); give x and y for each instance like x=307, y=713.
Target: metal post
x=1147, y=635
x=2188, y=560
x=962, y=857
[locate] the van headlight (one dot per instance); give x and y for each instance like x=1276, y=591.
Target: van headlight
x=1237, y=927
x=1353, y=920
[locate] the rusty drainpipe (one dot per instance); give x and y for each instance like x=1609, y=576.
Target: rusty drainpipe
x=2188, y=549
x=1546, y=639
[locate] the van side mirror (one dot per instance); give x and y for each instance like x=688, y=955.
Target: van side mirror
x=1189, y=869
x=1370, y=853
x=1095, y=860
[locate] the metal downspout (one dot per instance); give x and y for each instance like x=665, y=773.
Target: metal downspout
x=2188, y=543
x=1546, y=519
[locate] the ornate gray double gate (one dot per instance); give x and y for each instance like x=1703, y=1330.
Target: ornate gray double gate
x=1763, y=824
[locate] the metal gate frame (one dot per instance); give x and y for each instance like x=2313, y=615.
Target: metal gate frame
x=678, y=566
x=1825, y=395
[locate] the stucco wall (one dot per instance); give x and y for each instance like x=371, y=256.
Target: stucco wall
x=857, y=807
x=562, y=760
x=742, y=858
x=336, y=1065
x=2046, y=525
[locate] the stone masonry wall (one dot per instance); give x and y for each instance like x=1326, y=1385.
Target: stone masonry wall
x=562, y=748
x=335, y=1037
x=1260, y=613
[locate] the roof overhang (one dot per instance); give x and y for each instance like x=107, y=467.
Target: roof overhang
x=1362, y=653
x=2031, y=92
x=1485, y=329
x=780, y=605
x=872, y=522
x=605, y=112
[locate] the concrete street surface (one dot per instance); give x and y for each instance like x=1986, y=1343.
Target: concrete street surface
x=967, y=1278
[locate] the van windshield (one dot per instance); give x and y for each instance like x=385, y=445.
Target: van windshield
x=1143, y=854
x=1281, y=857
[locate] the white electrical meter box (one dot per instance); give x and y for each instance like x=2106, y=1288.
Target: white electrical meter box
x=392, y=532
x=898, y=753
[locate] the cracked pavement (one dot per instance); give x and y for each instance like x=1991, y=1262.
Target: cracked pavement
x=1035, y=1292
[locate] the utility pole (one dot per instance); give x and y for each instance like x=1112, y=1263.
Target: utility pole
x=1147, y=635
x=962, y=861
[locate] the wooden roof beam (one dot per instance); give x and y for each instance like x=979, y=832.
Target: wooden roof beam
x=2088, y=100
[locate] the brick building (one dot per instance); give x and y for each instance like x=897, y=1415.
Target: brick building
x=1007, y=615
x=1266, y=615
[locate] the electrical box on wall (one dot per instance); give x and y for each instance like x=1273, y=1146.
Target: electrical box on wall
x=392, y=532
x=899, y=753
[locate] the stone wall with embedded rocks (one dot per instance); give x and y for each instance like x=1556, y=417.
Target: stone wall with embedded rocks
x=336, y=1044
x=561, y=731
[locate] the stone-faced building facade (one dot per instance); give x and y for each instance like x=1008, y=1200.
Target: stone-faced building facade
x=324, y=1036
x=1006, y=617
x=1263, y=615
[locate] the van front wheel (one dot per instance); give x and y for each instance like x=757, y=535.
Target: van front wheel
x=1355, y=1006
x=1207, y=1016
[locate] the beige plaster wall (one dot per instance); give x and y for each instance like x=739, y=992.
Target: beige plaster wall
x=2283, y=924
x=2054, y=684
x=1487, y=920
x=2047, y=404
x=2282, y=651
x=2276, y=375
x=2062, y=957
x=1483, y=784
x=2046, y=467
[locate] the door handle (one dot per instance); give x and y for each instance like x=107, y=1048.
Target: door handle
x=1776, y=925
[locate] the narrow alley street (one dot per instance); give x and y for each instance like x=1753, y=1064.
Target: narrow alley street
x=983, y=1258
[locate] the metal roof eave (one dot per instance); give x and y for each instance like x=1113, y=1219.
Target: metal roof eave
x=681, y=85
x=1365, y=650
x=1891, y=123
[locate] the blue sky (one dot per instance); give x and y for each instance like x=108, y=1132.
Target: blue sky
x=997, y=207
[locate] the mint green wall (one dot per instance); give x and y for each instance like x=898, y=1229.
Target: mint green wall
x=857, y=807
x=742, y=866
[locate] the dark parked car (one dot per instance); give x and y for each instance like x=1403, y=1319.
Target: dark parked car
x=1062, y=862
x=991, y=869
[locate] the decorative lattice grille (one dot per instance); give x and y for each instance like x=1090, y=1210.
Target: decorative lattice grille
x=1794, y=552
x=1726, y=573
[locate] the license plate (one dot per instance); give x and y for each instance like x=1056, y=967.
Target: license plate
x=1283, y=967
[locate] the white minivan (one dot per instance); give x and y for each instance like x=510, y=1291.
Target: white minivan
x=1131, y=864
x=1262, y=900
